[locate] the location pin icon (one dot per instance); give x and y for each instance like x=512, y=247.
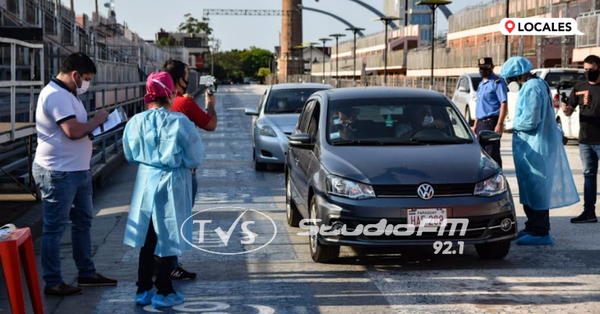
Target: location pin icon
x=510, y=25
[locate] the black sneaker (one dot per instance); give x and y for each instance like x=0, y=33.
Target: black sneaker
x=95, y=281
x=181, y=274
x=62, y=290
x=584, y=218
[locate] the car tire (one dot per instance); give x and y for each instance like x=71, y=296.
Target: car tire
x=320, y=253
x=470, y=121
x=259, y=166
x=565, y=140
x=291, y=211
x=493, y=250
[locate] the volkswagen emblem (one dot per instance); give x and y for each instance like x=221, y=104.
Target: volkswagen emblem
x=425, y=191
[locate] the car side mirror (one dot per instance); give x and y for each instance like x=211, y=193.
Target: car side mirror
x=251, y=111
x=302, y=141
x=463, y=89
x=487, y=137
x=514, y=87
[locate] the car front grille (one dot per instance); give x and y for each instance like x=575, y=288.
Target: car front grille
x=410, y=190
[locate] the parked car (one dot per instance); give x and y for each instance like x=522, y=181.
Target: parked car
x=394, y=168
x=565, y=79
x=465, y=95
x=275, y=118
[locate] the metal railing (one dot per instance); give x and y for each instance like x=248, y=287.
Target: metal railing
x=396, y=59
x=589, y=24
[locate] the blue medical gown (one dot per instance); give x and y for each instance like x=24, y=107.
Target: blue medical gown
x=543, y=173
x=165, y=145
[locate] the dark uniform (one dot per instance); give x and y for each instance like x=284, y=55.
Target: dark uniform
x=491, y=93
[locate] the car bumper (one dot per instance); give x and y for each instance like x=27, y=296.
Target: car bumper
x=270, y=149
x=484, y=214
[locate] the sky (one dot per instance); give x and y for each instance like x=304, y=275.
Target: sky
x=146, y=17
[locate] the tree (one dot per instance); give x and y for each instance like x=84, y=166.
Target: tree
x=262, y=73
x=165, y=42
x=254, y=59
x=193, y=25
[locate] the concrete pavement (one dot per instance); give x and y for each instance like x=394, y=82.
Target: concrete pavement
x=281, y=278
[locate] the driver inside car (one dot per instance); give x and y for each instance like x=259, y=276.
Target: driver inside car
x=347, y=123
x=420, y=117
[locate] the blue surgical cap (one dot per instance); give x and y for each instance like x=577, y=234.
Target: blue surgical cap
x=515, y=66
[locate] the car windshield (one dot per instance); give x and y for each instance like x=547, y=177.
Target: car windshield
x=476, y=80
x=288, y=100
x=395, y=121
x=566, y=80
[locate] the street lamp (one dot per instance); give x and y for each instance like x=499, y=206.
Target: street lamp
x=324, y=40
x=337, y=56
x=354, y=30
x=433, y=4
x=386, y=21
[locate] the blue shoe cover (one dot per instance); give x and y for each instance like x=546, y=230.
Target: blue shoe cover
x=172, y=299
x=144, y=298
x=522, y=233
x=533, y=240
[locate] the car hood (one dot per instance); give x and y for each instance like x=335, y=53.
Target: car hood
x=286, y=122
x=390, y=165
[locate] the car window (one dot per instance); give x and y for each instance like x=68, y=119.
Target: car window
x=568, y=80
x=313, y=125
x=476, y=80
x=305, y=117
x=288, y=100
x=395, y=121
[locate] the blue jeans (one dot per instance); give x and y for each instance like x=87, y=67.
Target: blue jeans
x=589, y=159
x=66, y=196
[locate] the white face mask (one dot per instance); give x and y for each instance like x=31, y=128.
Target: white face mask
x=428, y=120
x=84, y=86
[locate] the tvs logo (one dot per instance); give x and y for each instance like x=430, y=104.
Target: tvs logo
x=539, y=26
x=230, y=230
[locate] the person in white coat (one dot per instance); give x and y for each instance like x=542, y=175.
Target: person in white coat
x=166, y=146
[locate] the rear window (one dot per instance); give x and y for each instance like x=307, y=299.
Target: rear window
x=568, y=80
x=288, y=100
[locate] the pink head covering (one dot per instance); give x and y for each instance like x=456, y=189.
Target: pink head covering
x=159, y=84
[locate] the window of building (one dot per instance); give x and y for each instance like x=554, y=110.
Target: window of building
x=419, y=7
x=421, y=19
x=425, y=35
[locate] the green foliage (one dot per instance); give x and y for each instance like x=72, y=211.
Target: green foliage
x=193, y=25
x=165, y=41
x=237, y=64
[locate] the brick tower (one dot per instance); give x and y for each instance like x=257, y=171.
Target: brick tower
x=290, y=59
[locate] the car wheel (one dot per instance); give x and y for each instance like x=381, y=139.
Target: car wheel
x=291, y=211
x=320, y=253
x=468, y=116
x=493, y=250
x=564, y=139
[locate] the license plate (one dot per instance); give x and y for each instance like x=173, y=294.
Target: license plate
x=437, y=216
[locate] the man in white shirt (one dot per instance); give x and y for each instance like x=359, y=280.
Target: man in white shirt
x=61, y=170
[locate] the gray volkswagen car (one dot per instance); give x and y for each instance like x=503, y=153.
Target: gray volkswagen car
x=275, y=118
x=391, y=167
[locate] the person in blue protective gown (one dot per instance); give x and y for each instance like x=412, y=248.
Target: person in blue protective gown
x=165, y=145
x=543, y=173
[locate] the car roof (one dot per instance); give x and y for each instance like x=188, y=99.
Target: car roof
x=300, y=85
x=561, y=70
x=380, y=92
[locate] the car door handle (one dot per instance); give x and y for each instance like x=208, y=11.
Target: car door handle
x=297, y=160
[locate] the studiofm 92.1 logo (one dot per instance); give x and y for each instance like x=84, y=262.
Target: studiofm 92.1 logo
x=539, y=26
x=230, y=230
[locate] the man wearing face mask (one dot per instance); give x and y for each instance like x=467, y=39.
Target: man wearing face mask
x=492, y=107
x=207, y=121
x=61, y=170
x=587, y=97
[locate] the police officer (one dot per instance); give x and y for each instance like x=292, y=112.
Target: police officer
x=492, y=108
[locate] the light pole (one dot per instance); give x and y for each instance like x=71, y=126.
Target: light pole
x=324, y=40
x=386, y=21
x=337, y=56
x=354, y=30
x=506, y=37
x=433, y=4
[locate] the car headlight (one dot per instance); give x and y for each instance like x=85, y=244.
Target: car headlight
x=350, y=189
x=492, y=186
x=266, y=130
